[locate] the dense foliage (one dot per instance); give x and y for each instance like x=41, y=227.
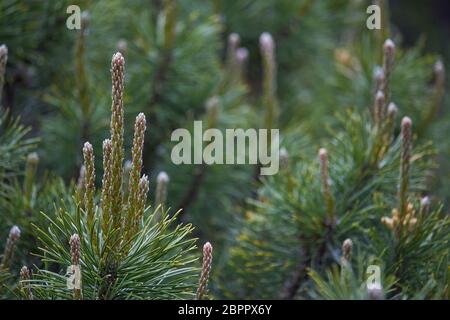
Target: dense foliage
x=93, y=208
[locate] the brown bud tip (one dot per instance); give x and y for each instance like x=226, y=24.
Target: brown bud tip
x=207, y=248
x=33, y=158
x=3, y=51
x=234, y=39
x=85, y=18
x=266, y=42
x=141, y=121
x=74, y=240
x=75, y=248
x=425, y=201
x=284, y=157
x=163, y=177
x=392, y=109
x=439, y=67
x=241, y=54
x=378, y=74
x=375, y=293
x=117, y=59
x=14, y=233
x=140, y=117
x=24, y=273
x=347, y=247
x=87, y=148
x=379, y=97
x=389, y=47
x=212, y=103
x=323, y=154
x=406, y=123
x=143, y=182
x=425, y=204
x=106, y=144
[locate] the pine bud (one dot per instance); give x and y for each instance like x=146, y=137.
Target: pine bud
x=392, y=110
x=3, y=60
x=24, y=274
x=231, y=59
x=75, y=259
x=25, y=277
x=136, y=167
x=379, y=109
x=345, y=260
x=439, y=71
x=212, y=111
x=202, y=290
x=284, y=158
x=388, y=65
x=425, y=205
x=75, y=249
x=30, y=173
x=89, y=187
x=375, y=292
x=324, y=177
x=106, y=185
x=378, y=76
x=347, y=249
x=140, y=126
x=85, y=19
x=81, y=180
x=390, y=123
x=233, y=42
x=439, y=85
x=241, y=55
x=323, y=157
x=405, y=155
x=14, y=236
x=162, y=182
x=267, y=44
x=388, y=57
x=128, y=165
x=241, y=60
x=267, y=47
x=117, y=152
x=33, y=160
x=141, y=201
x=389, y=222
